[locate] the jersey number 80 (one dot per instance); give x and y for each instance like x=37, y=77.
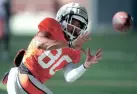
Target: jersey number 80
x=53, y=58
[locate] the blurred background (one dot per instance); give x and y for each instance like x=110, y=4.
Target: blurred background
x=116, y=73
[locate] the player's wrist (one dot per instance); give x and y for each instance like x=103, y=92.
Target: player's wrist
x=82, y=68
x=85, y=65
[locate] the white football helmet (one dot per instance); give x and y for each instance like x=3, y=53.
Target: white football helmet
x=72, y=11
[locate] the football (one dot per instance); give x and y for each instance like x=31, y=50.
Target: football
x=121, y=21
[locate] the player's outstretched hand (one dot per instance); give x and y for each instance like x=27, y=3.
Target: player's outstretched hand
x=90, y=59
x=81, y=39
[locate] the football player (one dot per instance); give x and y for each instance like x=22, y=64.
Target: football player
x=56, y=46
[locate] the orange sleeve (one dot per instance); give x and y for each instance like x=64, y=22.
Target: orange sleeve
x=53, y=27
x=43, y=25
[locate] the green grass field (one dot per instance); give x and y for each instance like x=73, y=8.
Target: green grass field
x=116, y=73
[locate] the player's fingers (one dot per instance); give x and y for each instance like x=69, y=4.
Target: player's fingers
x=83, y=51
x=100, y=50
x=86, y=39
x=88, y=33
x=99, y=54
x=85, y=34
x=88, y=51
x=82, y=39
x=82, y=35
x=99, y=58
x=89, y=38
x=96, y=61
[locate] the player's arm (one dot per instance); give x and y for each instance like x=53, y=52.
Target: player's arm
x=71, y=73
x=44, y=41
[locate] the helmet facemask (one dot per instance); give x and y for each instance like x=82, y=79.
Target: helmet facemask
x=66, y=16
x=71, y=31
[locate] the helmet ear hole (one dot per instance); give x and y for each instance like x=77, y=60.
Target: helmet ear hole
x=61, y=18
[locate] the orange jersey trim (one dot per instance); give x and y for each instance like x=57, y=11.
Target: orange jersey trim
x=28, y=86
